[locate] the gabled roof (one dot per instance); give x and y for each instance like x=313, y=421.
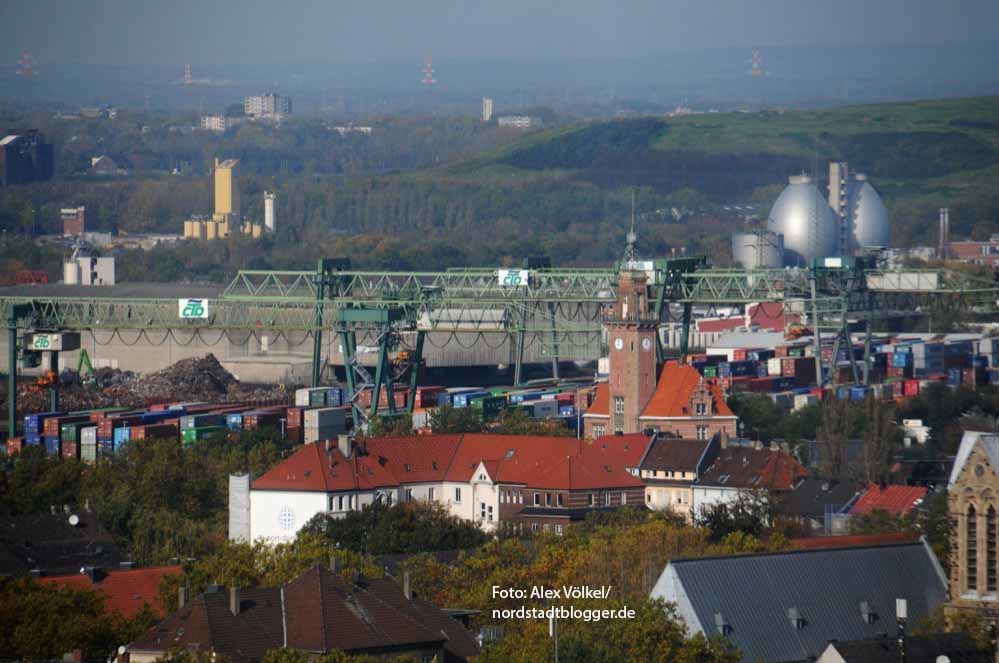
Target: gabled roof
x=753, y=596
x=676, y=385
x=675, y=454
x=990, y=443
x=896, y=500
x=625, y=449
x=314, y=468
x=814, y=497
x=852, y=540
x=748, y=467
x=590, y=471
x=125, y=592
x=957, y=647
x=601, y=401
x=48, y=542
x=318, y=611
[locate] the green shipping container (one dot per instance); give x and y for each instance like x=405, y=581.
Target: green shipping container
x=190, y=435
x=88, y=452
x=710, y=371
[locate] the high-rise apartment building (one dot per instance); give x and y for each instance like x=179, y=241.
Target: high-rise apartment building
x=267, y=106
x=487, y=109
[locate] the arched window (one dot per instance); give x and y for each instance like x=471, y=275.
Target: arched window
x=990, y=550
x=971, y=556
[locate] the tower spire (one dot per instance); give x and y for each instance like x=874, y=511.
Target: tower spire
x=632, y=236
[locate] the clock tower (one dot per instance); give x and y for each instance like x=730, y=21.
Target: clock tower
x=631, y=338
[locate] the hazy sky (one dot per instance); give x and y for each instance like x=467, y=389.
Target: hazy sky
x=256, y=31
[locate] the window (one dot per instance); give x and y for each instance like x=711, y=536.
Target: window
x=701, y=409
x=457, y=495
x=648, y=498
x=388, y=499
x=537, y=499
x=598, y=431
x=547, y=527
x=607, y=499
x=409, y=494
x=559, y=498
x=618, y=405
x=431, y=493
x=971, y=554
x=702, y=432
x=482, y=476
x=990, y=550
x=482, y=510
x=592, y=499
x=624, y=497
x=489, y=514
x=558, y=530
x=548, y=499
x=350, y=502
x=534, y=527
x=520, y=497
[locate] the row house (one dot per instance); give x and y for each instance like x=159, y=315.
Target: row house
x=513, y=483
x=737, y=470
x=670, y=469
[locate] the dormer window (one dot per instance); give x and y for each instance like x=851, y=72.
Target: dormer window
x=702, y=408
x=482, y=476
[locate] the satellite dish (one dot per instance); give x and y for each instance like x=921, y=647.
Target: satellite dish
x=74, y=520
x=121, y=649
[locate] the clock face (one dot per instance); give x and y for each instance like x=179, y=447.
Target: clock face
x=979, y=470
x=619, y=343
x=646, y=344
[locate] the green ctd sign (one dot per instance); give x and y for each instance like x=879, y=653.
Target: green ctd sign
x=193, y=309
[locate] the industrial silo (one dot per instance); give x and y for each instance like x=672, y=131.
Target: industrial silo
x=867, y=217
x=270, y=220
x=71, y=272
x=809, y=226
x=758, y=250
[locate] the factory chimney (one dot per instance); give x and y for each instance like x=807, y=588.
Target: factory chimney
x=943, y=247
x=269, y=215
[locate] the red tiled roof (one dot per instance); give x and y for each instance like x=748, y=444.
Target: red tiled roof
x=714, y=325
x=676, y=385
x=896, y=500
x=769, y=315
x=850, y=541
x=601, y=401
x=510, y=459
x=125, y=592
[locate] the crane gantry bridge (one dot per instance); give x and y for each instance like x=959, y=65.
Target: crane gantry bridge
x=562, y=307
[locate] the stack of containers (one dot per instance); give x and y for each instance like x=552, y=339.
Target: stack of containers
x=928, y=359
x=194, y=427
x=160, y=431
x=14, y=446
x=319, y=397
x=293, y=427
x=88, y=444
x=323, y=424
x=427, y=396
x=34, y=427
x=263, y=418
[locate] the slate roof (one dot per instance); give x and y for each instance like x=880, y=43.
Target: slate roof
x=919, y=649
x=670, y=453
x=48, y=542
x=813, y=496
x=896, y=500
x=321, y=612
x=748, y=467
x=125, y=592
x=754, y=593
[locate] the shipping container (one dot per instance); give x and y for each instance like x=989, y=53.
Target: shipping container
x=190, y=435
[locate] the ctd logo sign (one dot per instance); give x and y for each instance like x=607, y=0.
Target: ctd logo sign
x=193, y=309
x=514, y=278
x=40, y=342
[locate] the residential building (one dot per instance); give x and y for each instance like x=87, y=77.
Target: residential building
x=893, y=500
x=487, y=109
x=318, y=612
x=517, y=121
x=972, y=503
x=738, y=470
x=74, y=220
x=126, y=591
x=219, y=123
x=96, y=271
x=939, y=648
x=25, y=157
x=517, y=483
x=787, y=606
x=267, y=106
x=345, y=129
x=670, y=469
x=821, y=505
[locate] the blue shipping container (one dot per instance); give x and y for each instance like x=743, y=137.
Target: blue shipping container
x=52, y=446
x=234, y=422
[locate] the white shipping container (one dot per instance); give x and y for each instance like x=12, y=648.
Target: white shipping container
x=310, y=435
x=324, y=417
x=421, y=420
x=773, y=366
x=88, y=435
x=804, y=400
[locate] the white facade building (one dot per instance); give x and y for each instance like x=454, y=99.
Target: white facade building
x=267, y=106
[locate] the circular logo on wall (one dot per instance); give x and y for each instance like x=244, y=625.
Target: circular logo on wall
x=286, y=517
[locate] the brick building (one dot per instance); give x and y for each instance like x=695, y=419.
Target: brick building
x=670, y=469
x=74, y=220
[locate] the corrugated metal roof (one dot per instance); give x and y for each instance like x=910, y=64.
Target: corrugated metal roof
x=754, y=593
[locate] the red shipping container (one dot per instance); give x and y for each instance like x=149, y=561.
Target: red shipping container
x=911, y=388
x=70, y=450
x=566, y=397
x=293, y=434
x=294, y=416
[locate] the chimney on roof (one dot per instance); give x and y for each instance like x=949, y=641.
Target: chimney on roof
x=407, y=585
x=724, y=438
x=346, y=444
x=181, y=597
x=329, y=445
x=234, y=600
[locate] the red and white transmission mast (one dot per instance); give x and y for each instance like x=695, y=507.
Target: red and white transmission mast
x=24, y=66
x=428, y=71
